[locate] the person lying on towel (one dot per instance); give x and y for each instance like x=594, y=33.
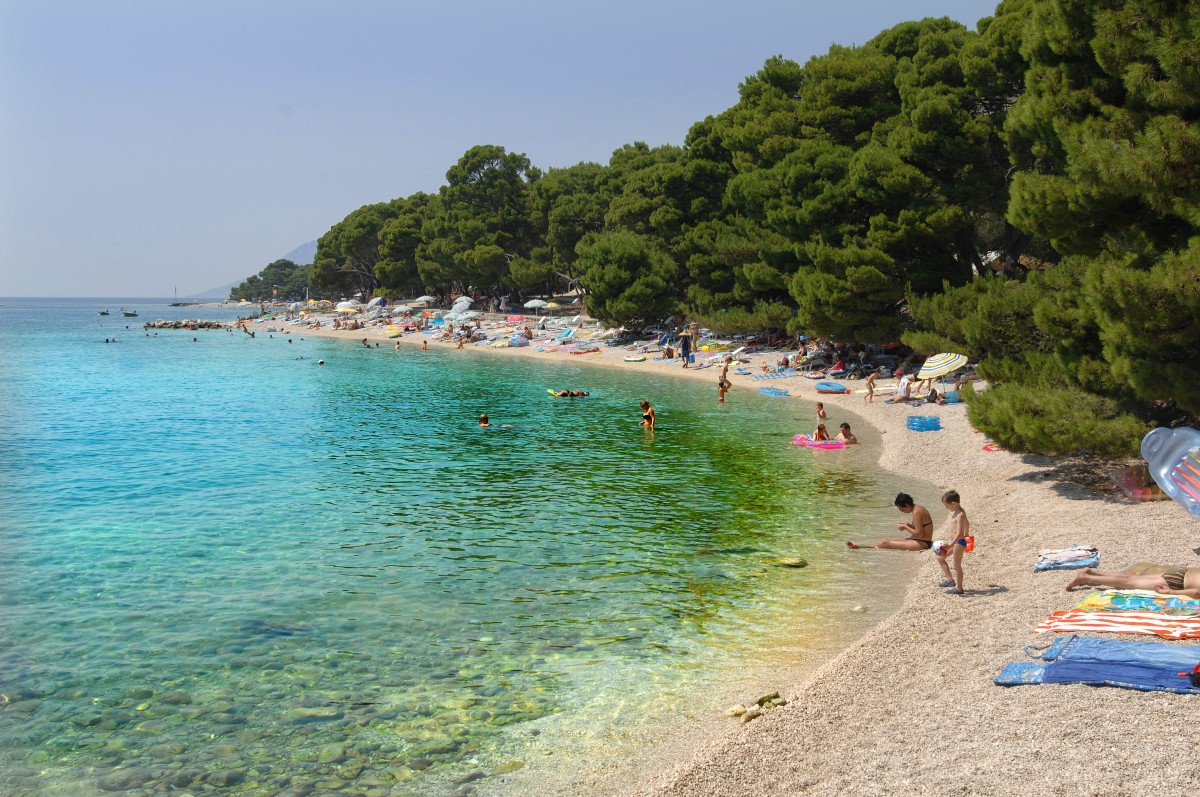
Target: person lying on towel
x=1171, y=581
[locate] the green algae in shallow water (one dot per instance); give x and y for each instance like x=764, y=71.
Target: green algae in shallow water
x=343, y=560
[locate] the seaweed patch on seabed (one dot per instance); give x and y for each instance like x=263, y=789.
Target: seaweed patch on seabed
x=264, y=629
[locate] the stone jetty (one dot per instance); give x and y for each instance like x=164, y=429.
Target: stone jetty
x=189, y=324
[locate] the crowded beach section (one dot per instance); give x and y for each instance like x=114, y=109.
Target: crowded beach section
x=913, y=705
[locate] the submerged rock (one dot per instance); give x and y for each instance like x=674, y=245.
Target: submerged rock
x=124, y=779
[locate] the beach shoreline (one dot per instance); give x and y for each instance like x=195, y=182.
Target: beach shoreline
x=911, y=705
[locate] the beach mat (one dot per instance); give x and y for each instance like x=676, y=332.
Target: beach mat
x=1112, y=600
x=1074, y=558
x=1144, y=666
x=1155, y=623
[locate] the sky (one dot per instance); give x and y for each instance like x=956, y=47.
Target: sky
x=152, y=149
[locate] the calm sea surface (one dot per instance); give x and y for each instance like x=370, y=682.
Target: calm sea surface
x=227, y=569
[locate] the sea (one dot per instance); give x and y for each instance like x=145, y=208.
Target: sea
x=226, y=568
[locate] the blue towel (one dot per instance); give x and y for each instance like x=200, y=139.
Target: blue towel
x=1069, y=564
x=1144, y=666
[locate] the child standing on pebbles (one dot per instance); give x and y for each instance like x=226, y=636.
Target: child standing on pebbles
x=959, y=528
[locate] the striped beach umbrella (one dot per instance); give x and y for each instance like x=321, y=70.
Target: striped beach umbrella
x=940, y=364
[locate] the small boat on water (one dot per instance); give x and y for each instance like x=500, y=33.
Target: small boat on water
x=129, y=313
x=102, y=312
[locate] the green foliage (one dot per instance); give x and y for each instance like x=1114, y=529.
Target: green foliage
x=282, y=279
x=1106, y=143
x=630, y=281
x=1054, y=420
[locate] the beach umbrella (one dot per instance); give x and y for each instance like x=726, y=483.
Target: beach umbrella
x=553, y=304
x=375, y=302
x=425, y=298
x=533, y=304
x=940, y=365
x=464, y=300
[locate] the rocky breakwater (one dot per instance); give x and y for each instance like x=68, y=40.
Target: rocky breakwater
x=190, y=324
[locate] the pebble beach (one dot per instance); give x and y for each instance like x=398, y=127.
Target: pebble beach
x=911, y=706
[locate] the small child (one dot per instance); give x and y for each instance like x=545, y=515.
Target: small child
x=820, y=434
x=959, y=527
x=821, y=411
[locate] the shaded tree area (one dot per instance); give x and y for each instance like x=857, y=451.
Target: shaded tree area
x=1105, y=146
x=282, y=279
x=1025, y=193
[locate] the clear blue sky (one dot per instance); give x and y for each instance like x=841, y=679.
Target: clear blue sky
x=154, y=145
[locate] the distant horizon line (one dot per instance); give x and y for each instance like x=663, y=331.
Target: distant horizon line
x=124, y=298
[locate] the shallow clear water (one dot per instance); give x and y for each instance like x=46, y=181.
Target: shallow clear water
x=228, y=568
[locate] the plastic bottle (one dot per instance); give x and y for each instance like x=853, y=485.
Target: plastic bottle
x=1173, y=456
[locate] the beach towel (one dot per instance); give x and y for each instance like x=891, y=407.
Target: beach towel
x=1073, y=558
x=1145, y=666
x=1156, y=623
x=1138, y=601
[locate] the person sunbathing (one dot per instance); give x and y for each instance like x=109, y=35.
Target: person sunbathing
x=1171, y=581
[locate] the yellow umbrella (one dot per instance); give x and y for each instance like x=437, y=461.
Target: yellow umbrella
x=940, y=364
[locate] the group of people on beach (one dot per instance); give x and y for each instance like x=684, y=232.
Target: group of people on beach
x=920, y=536
x=821, y=434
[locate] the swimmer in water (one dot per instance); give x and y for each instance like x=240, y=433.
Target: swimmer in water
x=647, y=415
x=483, y=420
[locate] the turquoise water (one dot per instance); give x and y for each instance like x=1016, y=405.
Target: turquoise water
x=229, y=569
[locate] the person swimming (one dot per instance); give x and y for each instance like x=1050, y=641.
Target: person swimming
x=483, y=420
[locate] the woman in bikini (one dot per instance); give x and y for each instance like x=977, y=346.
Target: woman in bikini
x=1169, y=581
x=647, y=415
x=920, y=529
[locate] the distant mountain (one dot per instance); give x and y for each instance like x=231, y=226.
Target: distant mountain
x=303, y=254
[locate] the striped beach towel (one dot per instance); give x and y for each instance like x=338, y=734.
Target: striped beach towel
x=1155, y=623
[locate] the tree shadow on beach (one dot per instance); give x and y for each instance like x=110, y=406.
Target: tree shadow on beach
x=991, y=591
x=1081, y=477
